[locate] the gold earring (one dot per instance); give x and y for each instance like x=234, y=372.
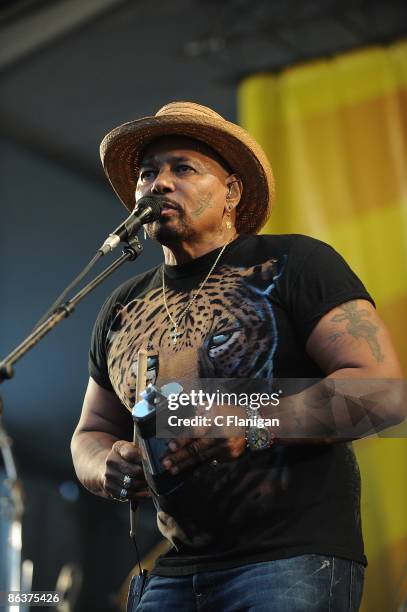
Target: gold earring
x=228, y=222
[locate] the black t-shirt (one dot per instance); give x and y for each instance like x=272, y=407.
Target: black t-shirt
x=251, y=320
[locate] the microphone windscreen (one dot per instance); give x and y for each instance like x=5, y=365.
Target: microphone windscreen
x=149, y=201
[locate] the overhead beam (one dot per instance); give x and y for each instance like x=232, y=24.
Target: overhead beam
x=37, y=29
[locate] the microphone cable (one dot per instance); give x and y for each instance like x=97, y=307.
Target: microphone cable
x=122, y=234
x=61, y=298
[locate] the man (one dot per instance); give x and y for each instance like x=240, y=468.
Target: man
x=274, y=529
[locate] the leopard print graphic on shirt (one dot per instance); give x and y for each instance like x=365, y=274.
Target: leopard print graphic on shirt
x=229, y=332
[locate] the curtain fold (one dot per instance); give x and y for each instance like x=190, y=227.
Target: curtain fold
x=335, y=131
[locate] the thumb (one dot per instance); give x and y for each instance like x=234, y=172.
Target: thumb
x=127, y=450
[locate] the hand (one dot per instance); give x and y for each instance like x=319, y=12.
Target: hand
x=187, y=453
x=124, y=459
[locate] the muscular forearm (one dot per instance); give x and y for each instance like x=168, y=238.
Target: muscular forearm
x=105, y=460
x=349, y=404
x=89, y=452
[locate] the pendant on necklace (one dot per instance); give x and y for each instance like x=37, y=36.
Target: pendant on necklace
x=175, y=334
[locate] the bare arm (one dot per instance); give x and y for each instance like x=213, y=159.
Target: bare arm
x=352, y=340
x=363, y=387
x=101, y=451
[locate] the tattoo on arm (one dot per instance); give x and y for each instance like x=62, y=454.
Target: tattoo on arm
x=358, y=326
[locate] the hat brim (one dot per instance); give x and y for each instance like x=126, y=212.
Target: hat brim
x=121, y=152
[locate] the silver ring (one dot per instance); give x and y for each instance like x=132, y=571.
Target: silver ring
x=127, y=482
x=123, y=495
x=214, y=463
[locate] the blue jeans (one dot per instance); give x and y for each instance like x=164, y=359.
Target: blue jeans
x=306, y=583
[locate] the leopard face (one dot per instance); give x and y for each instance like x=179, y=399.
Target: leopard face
x=228, y=332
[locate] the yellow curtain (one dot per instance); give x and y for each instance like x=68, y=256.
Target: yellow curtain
x=335, y=132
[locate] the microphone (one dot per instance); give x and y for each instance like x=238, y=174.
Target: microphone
x=147, y=209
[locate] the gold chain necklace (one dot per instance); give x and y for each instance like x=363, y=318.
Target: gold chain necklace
x=174, y=333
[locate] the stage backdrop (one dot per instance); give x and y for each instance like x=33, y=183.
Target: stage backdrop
x=335, y=131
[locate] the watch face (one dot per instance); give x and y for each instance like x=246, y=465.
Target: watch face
x=258, y=438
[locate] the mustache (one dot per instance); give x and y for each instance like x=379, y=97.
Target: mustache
x=164, y=201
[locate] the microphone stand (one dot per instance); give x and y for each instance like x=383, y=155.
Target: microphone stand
x=12, y=577
x=11, y=513
x=62, y=312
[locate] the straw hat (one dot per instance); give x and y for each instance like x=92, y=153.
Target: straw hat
x=121, y=151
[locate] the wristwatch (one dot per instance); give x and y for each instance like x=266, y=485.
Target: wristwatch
x=257, y=438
